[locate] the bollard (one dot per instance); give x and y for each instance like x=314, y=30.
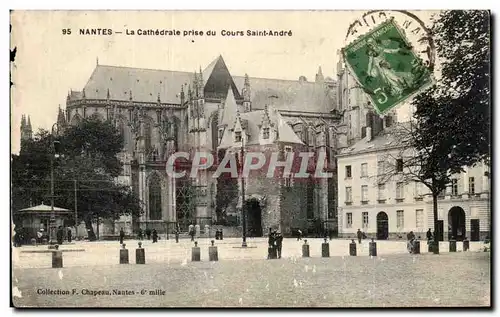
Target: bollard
x=417, y=247
x=33, y=241
x=352, y=248
x=453, y=245
x=195, y=253
x=305, y=249
x=372, y=248
x=325, y=249
x=435, y=247
x=140, y=255
x=123, y=255
x=57, y=260
x=212, y=252
x=466, y=245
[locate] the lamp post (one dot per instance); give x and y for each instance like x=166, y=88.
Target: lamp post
x=243, y=209
x=54, y=154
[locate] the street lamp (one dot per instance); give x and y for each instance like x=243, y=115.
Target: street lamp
x=55, y=152
x=243, y=210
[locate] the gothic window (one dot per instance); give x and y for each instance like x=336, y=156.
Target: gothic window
x=155, y=197
x=147, y=136
x=121, y=130
x=76, y=120
x=266, y=133
x=237, y=137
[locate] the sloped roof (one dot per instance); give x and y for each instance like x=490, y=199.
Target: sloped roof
x=253, y=119
x=146, y=84
x=43, y=208
x=230, y=107
x=384, y=140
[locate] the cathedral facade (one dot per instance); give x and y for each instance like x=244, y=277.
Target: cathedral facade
x=160, y=112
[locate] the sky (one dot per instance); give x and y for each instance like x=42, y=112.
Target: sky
x=48, y=63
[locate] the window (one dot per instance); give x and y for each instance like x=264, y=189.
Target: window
x=364, y=193
x=454, y=187
x=364, y=170
x=365, y=219
x=238, y=136
x=288, y=181
x=471, y=186
x=147, y=137
x=380, y=167
x=399, y=190
x=348, y=194
x=155, y=197
x=381, y=191
x=418, y=189
x=348, y=172
x=349, y=220
x=400, y=219
x=419, y=216
x=265, y=133
x=399, y=165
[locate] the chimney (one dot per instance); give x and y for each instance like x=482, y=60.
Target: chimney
x=368, y=133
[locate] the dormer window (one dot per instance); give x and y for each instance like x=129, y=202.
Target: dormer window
x=265, y=133
x=237, y=136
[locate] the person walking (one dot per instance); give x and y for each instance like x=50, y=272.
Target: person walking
x=148, y=233
x=140, y=234
x=429, y=235
x=360, y=236
x=60, y=235
x=411, y=241
x=279, y=244
x=271, y=251
x=69, y=235
x=122, y=235
x=155, y=236
x=299, y=234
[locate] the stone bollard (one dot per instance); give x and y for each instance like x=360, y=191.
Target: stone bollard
x=466, y=245
x=325, y=249
x=352, y=248
x=372, y=248
x=57, y=260
x=453, y=245
x=195, y=253
x=176, y=237
x=417, y=247
x=213, y=255
x=33, y=242
x=435, y=247
x=140, y=255
x=123, y=254
x=305, y=249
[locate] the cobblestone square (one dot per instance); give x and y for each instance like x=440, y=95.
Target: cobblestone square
x=244, y=278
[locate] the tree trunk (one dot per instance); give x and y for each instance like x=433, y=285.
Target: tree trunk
x=437, y=234
x=90, y=229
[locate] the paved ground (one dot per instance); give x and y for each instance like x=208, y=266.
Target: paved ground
x=169, y=252
x=448, y=279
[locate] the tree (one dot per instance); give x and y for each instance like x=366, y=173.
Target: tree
x=89, y=156
x=463, y=91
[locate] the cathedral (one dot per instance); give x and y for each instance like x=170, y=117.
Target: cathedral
x=160, y=112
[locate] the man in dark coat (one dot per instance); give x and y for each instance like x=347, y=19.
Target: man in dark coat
x=429, y=236
x=60, y=235
x=69, y=236
x=122, y=235
x=279, y=244
x=271, y=251
x=148, y=233
x=155, y=236
x=360, y=236
x=140, y=234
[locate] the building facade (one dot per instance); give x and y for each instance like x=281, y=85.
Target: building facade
x=159, y=112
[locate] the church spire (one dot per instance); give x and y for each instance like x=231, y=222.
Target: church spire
x=319, y=76
x=61, y=119
x=201, y=84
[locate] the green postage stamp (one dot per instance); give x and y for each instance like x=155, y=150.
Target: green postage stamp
x=385, y=66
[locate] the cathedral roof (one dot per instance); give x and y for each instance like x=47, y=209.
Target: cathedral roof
x=147, y=84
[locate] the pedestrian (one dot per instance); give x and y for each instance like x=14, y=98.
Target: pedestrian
x=139, y=234
x=279, y=244
x=177, y=235
x=60, y=235
x=69, y=235
x=429, y=235
x=39, y=235
x=299, y=234
x=271, y=252
x=360, y=236
x=411, y=241
x=148, y=233
x=192, y=233
x=122, y=235
x=155, y=236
